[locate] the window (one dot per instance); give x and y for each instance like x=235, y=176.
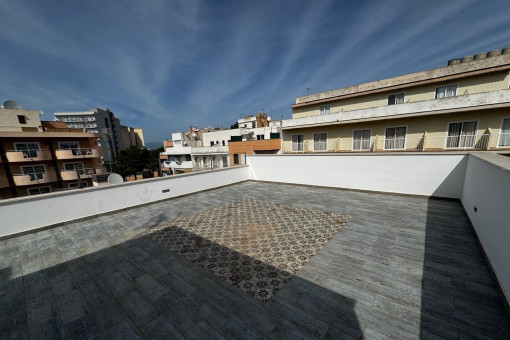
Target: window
x=22, y=119
x=76, y=185
x=223, y=142
x=461, y=135
x=324, y=110
x=225, y=161
x=236, y=158
x=35, y=172
x=446, y=91
x=297, y=142
x=29, y=149
x=396, y=98
x=38, y=190
x=75, y=166
x=320, y=141
x=74, y=146
x=504, y=137
x=260, y=137
x=361, y=139
x=395, y=138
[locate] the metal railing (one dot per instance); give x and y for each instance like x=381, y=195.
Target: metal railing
x=425, y=142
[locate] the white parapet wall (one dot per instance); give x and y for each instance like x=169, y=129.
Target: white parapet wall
x=486, y=199
x=27, y=213
x=427, y=174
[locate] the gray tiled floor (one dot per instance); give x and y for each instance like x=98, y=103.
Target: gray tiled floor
x=403, y=267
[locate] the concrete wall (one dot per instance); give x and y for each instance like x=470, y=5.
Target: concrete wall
x=9, y=119
x=23, y=214
x=487, y=189
x=416, y=174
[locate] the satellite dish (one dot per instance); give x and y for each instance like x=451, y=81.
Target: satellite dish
x=115, y=178
x=11, y=104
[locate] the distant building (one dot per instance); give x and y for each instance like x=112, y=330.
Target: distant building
x=40, y=157
x=97, y=121
x=203, y=149
x=462, y=106
x=132, y=137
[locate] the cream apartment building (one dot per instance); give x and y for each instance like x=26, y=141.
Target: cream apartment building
x=463, y=106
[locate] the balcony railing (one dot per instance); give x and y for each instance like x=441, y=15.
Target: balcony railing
x=34, y=178
x=408, y=143
x=77, y=153
x=28, y=155
x=71, y=175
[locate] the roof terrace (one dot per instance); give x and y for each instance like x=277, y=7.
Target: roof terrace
x=380, y=265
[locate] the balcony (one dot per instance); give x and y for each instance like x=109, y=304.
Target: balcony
x=16, y=156
x=425, y=142
x=77, y=153
x=468, y=102
x=35, y=178
x=4, y=183
x=210, y=150
x=71, y=175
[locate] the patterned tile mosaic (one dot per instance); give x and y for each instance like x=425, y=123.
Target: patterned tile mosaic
x=255, y=245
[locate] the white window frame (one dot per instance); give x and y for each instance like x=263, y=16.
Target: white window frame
x=396, y=95
x=33, y=166
x=501, y=131
x=405, y=137
x=46, y=186
x=445, y=86
x=297, y=143
x=460, y=121
x=324, y=109
x=26, y=143
x=325, y=143
x=361, y=144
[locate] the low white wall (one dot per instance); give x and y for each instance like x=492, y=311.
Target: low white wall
x=26, y=213
x=416, y=174
x=487, y=187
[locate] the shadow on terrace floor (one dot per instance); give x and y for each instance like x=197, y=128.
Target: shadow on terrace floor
x=137, y=288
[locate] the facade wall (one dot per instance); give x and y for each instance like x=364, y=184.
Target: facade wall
x=9, y=119
x=471, y=85
x=249, y=147
x=56, y=177
x=435, y=127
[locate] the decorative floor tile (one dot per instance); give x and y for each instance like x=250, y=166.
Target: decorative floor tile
x=255, y=245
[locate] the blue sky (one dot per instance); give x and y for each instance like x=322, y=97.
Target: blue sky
x=165, y=65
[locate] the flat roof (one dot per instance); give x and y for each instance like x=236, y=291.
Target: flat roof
x=401, y=267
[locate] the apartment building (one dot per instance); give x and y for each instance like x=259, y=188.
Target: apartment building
x=97, y=121
x=462, y=106
x=132, y=137
x=202, y=149
x=41, y=157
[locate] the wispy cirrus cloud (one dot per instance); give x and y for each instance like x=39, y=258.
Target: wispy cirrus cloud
x=166, y=65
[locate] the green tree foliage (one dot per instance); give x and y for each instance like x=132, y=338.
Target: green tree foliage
x=134, y=159
x=235, y=125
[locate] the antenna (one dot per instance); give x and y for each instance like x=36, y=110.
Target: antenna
x=308, y=89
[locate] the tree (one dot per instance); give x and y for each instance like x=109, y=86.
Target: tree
x=134, y=159
x=235, y=125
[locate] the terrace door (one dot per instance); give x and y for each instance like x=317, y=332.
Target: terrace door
x=461, y=135
x=504, y=138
